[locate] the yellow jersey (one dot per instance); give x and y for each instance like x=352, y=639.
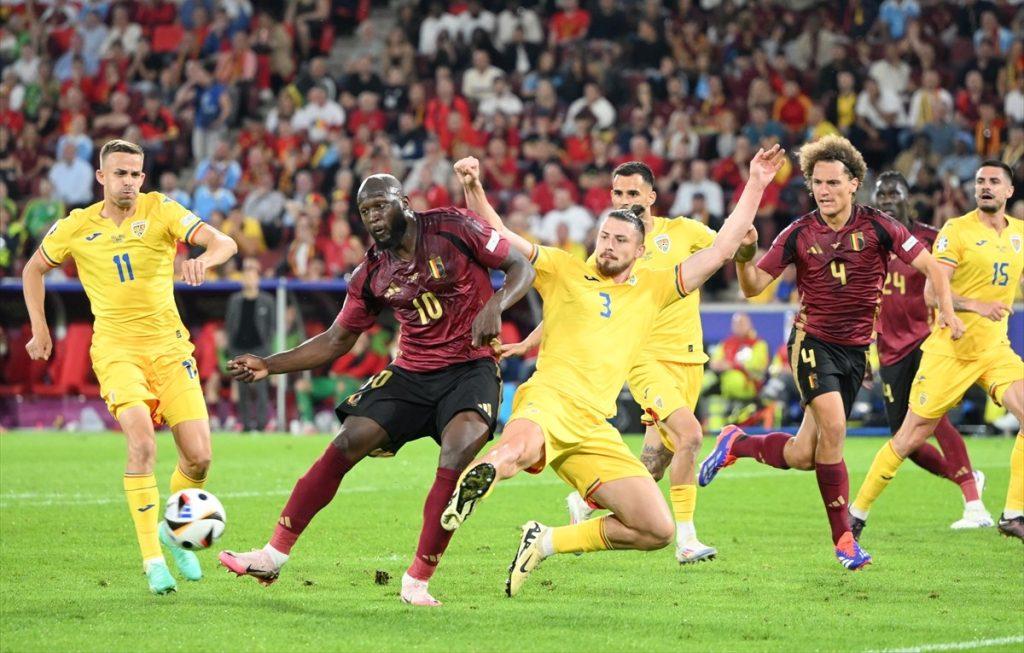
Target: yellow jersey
x=127, y=270
x=988, y=267
x=594, y=327
x=677, y=335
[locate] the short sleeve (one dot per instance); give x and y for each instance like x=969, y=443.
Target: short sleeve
x=182, y=223
x=56, y=244
x=668, y=283
x=701, y=236
x=485, y=244
x=782, y=251
x=548, y=262
x=948, y=248
x=904, y=244
x=360, y=309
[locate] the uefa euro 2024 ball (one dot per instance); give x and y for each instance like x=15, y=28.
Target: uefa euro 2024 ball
x=195, y=518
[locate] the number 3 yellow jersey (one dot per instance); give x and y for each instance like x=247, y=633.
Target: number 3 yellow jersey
x=988, y=267
x=594, y=328
x=127, y=270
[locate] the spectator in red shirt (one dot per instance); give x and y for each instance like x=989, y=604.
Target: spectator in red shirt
x=569, y=24
x=341, y=251
x=440, y=107
x=543, y=194
x=368, y=113
x=792, y=108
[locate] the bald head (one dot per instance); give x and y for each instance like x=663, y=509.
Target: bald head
x=382, y=184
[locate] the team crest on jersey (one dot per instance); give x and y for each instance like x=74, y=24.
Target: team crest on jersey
x=942, y=244
x=632, y=280
x=139, y=228
x=857, y=241
x=436, y=265
x=663, y=243
x=923, y=399
x=1015, y=242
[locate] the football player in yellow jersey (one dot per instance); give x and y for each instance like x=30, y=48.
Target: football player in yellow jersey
x=598, y=315
x=124, y=248
x=666, y=377
x=983, y=253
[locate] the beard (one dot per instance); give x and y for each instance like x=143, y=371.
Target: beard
x=990, y=205
x=612, y=268
x=395, y=234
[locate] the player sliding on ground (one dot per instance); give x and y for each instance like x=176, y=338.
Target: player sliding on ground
x=667, y=376
x=596, y=316
x=903, y=324
x=431, y=268
x=841, y=251
x=982, y=256
x=124, y=248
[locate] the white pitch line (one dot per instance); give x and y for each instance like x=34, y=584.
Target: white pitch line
x=955, y=646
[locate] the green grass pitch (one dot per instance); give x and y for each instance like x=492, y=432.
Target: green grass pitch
x=70, y=578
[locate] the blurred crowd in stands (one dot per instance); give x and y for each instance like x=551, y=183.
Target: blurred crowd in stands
x=263, y=117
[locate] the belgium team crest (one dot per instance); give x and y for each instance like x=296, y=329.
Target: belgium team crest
x=139, y=228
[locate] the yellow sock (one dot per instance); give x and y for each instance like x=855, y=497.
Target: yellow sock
x=684, y=502
x=883, y=469
x=144, y=505
x=580, y=538
x=1015, y=495
x=180, y=480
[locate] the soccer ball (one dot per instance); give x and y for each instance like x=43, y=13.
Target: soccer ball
x=195, y=518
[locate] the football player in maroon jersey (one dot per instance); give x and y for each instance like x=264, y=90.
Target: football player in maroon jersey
x=431, y=269
x=841, y=252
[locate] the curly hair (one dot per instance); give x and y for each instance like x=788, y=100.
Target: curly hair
x=832, y=148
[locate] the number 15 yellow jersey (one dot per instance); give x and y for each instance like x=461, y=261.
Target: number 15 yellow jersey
x=127, y=270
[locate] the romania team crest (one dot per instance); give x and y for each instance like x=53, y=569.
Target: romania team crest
x=436, y=265
x=139, y=228
x=857, y=241
x=1015, y=242
x=663, y=243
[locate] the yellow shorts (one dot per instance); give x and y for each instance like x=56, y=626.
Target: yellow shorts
x=662, y=388
x=166, y=383
x=582, y=447
x=941, y=381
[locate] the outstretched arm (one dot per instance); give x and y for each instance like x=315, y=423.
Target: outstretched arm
x=219, y=248
x=40, y=346
x=736, y=229
x=468, y=170
x=318, y=350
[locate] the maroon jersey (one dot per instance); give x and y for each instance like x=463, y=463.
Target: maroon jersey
x=435, y=296
x=905, y=320
x=839, y=274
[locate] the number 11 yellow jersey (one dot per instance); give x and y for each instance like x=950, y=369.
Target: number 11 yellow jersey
x=127, y=270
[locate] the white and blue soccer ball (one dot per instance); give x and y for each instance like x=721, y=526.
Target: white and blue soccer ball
x=195, y=518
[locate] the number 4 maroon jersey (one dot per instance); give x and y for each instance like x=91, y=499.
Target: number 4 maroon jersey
x=839, y=274
x=436, y=295
x=905, y=320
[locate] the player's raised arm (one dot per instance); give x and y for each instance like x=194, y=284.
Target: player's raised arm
x=318, y=350
x=468, y=170
x=219, y=248
x=737, y=227
x=40, y=346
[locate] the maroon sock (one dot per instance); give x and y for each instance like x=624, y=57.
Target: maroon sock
x=930, y=459
x=312, y=492
x=834, y=485
x=434, y=539
x=957, y=461
x=765, y=449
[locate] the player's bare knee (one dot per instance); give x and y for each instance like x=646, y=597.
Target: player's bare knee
x=658, y=534
x=141, y=451
x=801, y=459
x=457, y=452
x=655, y=468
